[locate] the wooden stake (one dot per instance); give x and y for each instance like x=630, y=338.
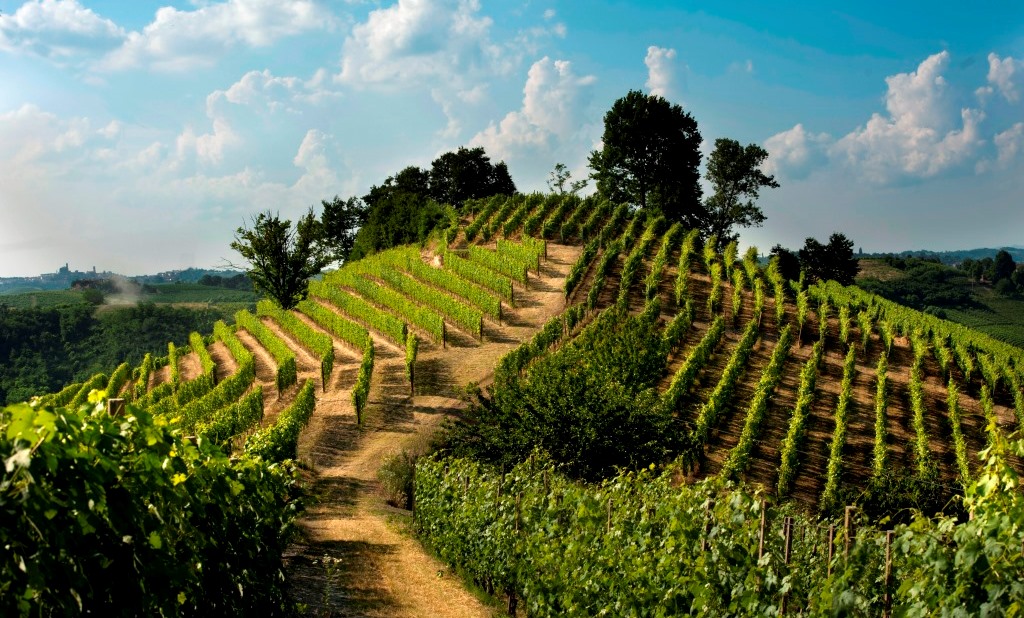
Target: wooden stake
x=115, y=407
x=609, y=526
x=519, y=497
x=887, y=599
x=760, y=532
x=787, y=532
x=848, y=525
x=831, y=547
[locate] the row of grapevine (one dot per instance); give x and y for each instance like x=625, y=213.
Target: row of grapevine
x=96, y=382
x=834, y=471
x=922, y=452
x=579, y=268
x=287, y=372
x=739, y=456
x=778, y=289
x=467, y=318
x=483, y=217
x=613, y=225
x=118, y=379
x=478, y=274
x=527, y=254
x=631, y=267
x=280, y=441
x=721, y=396
x=355, y=336
x=738, y=282
x=142, y=377
x=507, y=208
x=173, y=357
x=729, y=255
x=503, y=264
x=61, y=398
x=685, y=376
x=233, y=419
x=604, y=266
x=320, y=344
x=793, y=441
x=421, y=317
x=515, y=221
x=554, y=221
x=959, y=443
x=715, y=295
x=195, y=388
x=540, y=214
x=642, y=544
x=514, y=362
x=598, y=216
x=408, y=260
x=676, y=328
x=354, y=306
x=654, y=277
x=880, y=460
x=682, y=287
x=570, y=228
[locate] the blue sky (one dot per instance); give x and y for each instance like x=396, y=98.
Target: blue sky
x=137, y=136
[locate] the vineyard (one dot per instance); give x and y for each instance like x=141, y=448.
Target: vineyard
x=814, y=396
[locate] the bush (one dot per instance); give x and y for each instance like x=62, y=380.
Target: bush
x=396, y=476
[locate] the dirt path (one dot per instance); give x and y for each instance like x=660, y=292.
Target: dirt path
x=373, y=565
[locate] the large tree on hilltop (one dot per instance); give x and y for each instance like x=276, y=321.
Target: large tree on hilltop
x=834, y=261
x=650, y=158
x=734, y=172
x=467, y=173
x=341, y=220
x=282, y=259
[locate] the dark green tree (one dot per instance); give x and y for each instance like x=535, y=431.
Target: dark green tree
x=468, y=173
x=340, y=221
x=650, y=158
x=734, y=172
x=282, y=259
x=1002, y=266
x=789, y=262
x=834, y=261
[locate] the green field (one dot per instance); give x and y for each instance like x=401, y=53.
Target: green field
x=195, y=293
x=1000, y=317
x=41, y=299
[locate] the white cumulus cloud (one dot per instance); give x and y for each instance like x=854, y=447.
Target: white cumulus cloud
x=552, y=101
x=661, y=71
x=178, y=40
x=57, y=29
x=795, y=153
x=919, y=137
x=1002, y=76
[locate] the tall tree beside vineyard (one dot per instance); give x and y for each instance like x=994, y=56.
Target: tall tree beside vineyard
x=282, y=259
x=468, y=173
x=650, y=157
x=341, y=220
x=734, y=172
x=833, y=261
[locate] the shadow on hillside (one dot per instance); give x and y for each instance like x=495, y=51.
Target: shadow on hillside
x=434, y=377
x=329, y=578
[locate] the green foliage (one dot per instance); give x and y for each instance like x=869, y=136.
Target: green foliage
x=527, y=254
x=686, y=251
x=484, y=216
x=925, y=465
x=720, y=398
x=830, y=262
x=580, y=267
x=676, y=329
x=650, y=157
x=348, y=331
x=385, y=297
x=409, y=261
x=503, y=264
x=685, y=376
x=604, y=266
x=479, y=274
x=361, y=390
x=287, y=373
x=97, y=382
x=715, y=296
x=234, y=419
x=397, y=475
x=881, y=448
x=734, y=172
x=739, y=456
x=280, y=441
x=792, y=443
x=631, y=267
x=118, y=379
x=412, y=345
x=829, y=500
x=554, y=221
x=959, y=444
x=281, y=260
x=465, y=317
x=515, y=221
x=382, y=321
x=317, y=342
x=592, y=404
x=570, y=227
x=125, y=517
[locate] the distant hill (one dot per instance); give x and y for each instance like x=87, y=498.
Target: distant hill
x=953, y=257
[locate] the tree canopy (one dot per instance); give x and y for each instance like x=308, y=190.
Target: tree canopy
x=282, y=259
x=734, y=172
x=650, y=158
x=341, y=220
x=467, y=173
x=833, y=261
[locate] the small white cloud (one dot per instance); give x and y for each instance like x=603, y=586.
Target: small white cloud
x=1002, y=75
x=552, y=101
x=661, y=71
x=796, y=153
x=208, y=148
x=57, y=29
x=180, y=40
x=549, y=14
x=1009, y=146
x=920, y=136
x=264, y=90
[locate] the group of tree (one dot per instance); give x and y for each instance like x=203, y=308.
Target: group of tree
x=833, y=260
x=403, y=209
x=924, y=284
x=650, y=157
x=1001, y=271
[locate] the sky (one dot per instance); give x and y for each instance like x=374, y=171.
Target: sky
x=136, y=137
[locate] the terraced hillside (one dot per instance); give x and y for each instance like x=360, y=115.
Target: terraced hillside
x=809, y=392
